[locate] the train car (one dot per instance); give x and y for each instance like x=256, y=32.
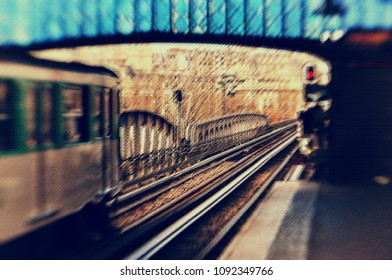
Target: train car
x=58, y=140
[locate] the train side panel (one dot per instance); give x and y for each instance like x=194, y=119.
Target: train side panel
x=18, y=203
x=79, y=169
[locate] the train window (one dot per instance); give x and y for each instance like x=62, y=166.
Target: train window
x=107, y=111
x=98, y=120
x=73, y=114
x=4, y=116
x=31, y=116
x=46, y=97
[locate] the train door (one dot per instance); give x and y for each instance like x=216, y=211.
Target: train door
x=39, y=137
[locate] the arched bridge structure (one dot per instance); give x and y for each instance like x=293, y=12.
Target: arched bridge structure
x=146, y=142
x=150, y=145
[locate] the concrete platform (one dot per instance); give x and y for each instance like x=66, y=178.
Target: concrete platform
x=309, y=220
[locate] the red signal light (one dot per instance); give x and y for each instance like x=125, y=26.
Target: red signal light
x=310, y=75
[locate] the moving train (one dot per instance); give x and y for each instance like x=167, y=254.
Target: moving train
x=58, y=140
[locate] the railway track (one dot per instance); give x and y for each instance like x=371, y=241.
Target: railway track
x=157, y=214
x=208, y=233
x=188, y=180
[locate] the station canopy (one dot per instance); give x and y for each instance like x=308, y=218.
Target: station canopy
x=39, y=22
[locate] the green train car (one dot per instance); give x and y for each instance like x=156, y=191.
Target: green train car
x=58, y=140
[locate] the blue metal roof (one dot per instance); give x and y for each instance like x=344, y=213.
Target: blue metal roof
x=25, y=22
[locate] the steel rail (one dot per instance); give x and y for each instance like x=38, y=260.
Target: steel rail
x=161, y=239
x=242, y=212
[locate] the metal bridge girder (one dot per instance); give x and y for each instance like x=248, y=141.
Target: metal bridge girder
x=26, y=23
